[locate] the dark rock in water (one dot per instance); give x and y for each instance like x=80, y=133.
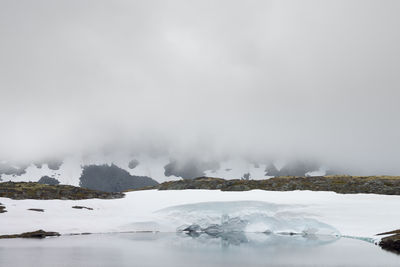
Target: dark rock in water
x=213, y=229
x=182, y=228
x=391, y=243
x=112, y=179
x=133, y=164
x=192, y=228
x=39, y=210
x=2, y=208
x=228, y=225
x=23, y=190
x=193, y=234
x=82, y=207
x=48, y=180
x=35, y=234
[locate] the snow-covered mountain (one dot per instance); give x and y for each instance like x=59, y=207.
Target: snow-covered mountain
x=160, y=168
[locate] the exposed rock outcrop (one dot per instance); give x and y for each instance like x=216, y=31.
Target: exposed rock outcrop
x=2, y=208
x=48, y=180
x=341, y=184
x=391, y=242
x=35, y=234
x=30, y=190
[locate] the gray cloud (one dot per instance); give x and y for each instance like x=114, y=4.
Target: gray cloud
x=289, y=80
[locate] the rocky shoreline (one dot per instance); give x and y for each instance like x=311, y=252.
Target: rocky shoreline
x=386, y=185
x=2, y=208
x=31, y=190
x=35, y=234
x=391, y=242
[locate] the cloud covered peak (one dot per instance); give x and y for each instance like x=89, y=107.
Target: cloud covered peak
x=203, y=79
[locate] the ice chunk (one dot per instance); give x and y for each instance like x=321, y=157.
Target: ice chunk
x=216, y=218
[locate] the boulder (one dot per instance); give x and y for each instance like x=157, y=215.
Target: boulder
x=391, y=243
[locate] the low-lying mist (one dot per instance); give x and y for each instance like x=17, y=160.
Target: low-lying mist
x=206, y=81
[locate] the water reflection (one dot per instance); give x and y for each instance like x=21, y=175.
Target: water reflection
x=179, y=249
x=259, y=240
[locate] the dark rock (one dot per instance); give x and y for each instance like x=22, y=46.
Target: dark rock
x=193, y=234
x=30, y=190
x=238, y=187
x=391, y=232
x=2, y=208
x=81, y=207
x=35, y=234
x=213, y=229
x=39, y=210
x=391, y=243
x=340, y=184
x=112, y=179
x=48, y=180
x=192, y=228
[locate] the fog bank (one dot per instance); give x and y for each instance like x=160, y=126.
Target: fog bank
x=202, y=80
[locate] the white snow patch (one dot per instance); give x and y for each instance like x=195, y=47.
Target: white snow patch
x=362, y=215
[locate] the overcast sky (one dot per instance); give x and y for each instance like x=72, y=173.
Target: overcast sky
x=280, y=79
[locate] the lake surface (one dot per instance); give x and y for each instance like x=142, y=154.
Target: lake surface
x=171, y=250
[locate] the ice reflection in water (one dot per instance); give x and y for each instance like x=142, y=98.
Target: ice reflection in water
x=256, y=240
x=179, y=249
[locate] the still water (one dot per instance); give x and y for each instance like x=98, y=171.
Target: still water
x=171, y=249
